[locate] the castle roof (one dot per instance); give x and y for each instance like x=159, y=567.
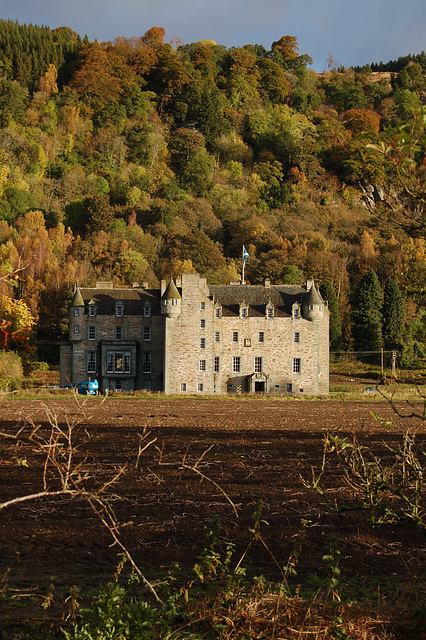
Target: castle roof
x=77, y=301
x=314, y=296
x=132, y=299
x=257, y=297
x=171, y=291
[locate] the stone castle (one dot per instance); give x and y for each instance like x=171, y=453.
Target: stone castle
x=193, y=338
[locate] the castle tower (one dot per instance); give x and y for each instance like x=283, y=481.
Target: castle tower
x=76, y=316
x=313, y=305
x=315, y=310
x=171, y=301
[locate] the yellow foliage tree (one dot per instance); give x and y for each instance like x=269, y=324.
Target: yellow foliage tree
x=16, y=314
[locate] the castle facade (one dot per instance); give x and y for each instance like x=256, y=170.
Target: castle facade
x=193, y=338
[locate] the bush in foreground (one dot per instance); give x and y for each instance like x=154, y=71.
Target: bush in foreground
x=11, y=371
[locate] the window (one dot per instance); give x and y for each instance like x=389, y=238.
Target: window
x=92, y=310
x=258, y=365
x=235, y=336
x=147, y=333
x=183, y=386
x=247, y=342
x=269, y=313
x=311, y=307
x=119, y=310
x=76, y=329
x=202, y=306
x=118, y=362
x=200, y=386
x=243, y=312
x=261, y=337
x=202, y=343
x=146, y=362
x=147, y=310
x=297, y=337
x=217, y=312
x=202, y=365
x=296, y=312
x=118, y=333
x=216, y=364
x=236, y=364
x=296, y=365
x=118, y=385
x=76, y=312
x=202, y=323
x=216, y=336
x=91, y=362
x=289, y=387
x=127, y=362
x=174, y=302
x=92, y=333
x=110, y=362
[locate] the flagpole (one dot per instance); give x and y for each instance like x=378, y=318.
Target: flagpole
x=245, y=255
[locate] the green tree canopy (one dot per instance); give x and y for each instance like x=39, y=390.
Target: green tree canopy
x=367, y=314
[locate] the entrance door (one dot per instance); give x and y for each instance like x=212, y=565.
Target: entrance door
x=259, y=386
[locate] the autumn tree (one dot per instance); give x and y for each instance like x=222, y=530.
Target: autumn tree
x=16, y=321
x=95, y=79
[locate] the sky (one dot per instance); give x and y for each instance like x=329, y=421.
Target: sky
x=354, y=32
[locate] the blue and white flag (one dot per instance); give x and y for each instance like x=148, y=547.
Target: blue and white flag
x=245, y=254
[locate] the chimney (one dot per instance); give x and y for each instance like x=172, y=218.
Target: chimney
x=267, y=283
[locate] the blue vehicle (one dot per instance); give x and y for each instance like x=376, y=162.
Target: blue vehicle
x=88, y=388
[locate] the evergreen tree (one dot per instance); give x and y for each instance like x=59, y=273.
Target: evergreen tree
x=329, y=294
x=393, y=316
x=367, y=314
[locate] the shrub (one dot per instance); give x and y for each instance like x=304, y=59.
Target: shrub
x=11, y=371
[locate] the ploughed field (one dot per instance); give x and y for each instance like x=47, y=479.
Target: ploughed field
x=205, y=458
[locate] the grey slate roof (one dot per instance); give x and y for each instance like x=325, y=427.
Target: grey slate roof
x=132, y=299
x=171, y=291
x=257, y=297
x=77, y=301
x=314, y=296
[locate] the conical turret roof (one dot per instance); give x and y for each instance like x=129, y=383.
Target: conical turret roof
x=77, y=301
x=314, y=296
x=171, y=291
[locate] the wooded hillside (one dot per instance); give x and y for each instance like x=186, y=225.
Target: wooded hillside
x=136, y=159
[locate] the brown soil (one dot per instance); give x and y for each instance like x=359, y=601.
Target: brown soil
x=252, y=451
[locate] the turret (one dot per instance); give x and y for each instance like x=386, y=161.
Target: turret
x=171, y=300
x=76, y=315
x=313, y=304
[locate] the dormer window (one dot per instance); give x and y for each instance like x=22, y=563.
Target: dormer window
x=269, y=311
x=217, y=312
x=92, y=310
x=243, y=311
x=296, y=311
x=147, y=310
x=119, y=309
